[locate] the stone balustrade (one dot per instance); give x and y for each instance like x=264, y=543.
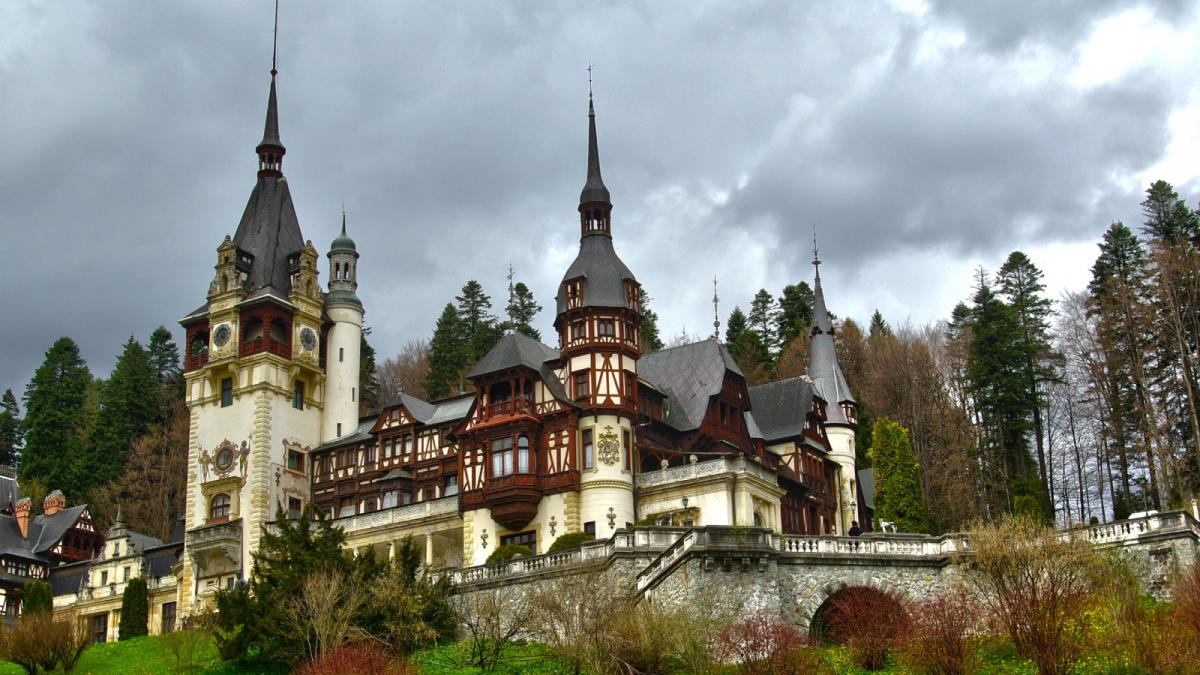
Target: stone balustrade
x=399, y=514
x=712, y=467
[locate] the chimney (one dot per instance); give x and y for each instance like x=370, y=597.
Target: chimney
x=54, y=502
x=22, y=514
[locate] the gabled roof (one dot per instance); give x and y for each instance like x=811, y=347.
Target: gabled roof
x=10, y=492
x=361, y=434
x=516, y=350
x=452, y=409
x=781, y=408
x=689, y=375
x=420, y=410
x=51, y=529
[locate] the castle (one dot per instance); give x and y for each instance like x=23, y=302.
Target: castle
x=590, y=436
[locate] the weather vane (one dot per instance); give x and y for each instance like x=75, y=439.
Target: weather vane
x=590, y=66
x=275, y=42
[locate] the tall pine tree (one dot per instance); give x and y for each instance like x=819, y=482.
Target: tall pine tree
x=480, y=330
x=368, y=378
x=129, y=404
x=794, y=314
x=762, y=317
x=447, y=355
x=10, y=429
x=648, y=337
x=734, y=327
x=164, y=359
x=522, y=310
x=57, y=422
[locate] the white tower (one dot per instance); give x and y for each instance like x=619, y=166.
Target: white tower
x=344, y=341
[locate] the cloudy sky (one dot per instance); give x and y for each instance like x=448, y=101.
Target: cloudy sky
x=919, y=138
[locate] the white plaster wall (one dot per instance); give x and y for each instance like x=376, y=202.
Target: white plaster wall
x=341, y=381
x=841, y=442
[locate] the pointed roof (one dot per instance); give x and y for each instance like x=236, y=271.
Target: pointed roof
x=518, y=349
x=271, y=128
x=689, y=375
x=594, y=189
x=343, y=242
x=604, y=272
x=823, y=366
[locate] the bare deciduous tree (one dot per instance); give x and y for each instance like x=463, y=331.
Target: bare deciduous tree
x=322, y=614
x=404, y=372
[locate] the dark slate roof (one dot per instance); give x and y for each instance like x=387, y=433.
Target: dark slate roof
x=603, y=272
x=689, y=375
x=269, y=231
x=271, y=127
x=452, y=409
x=594, y=189
x=51, y=529
x=143, y=542
x=160, y=560
x=781, y=408
x=419, y=409
x=823, y=366
x=68, y=579
x=866, y=484
x=343, y=242
x=362, y=433
x=518, y=349
x=10, y=492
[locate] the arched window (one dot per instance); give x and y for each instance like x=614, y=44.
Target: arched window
x=219, y=506
x=523, y=463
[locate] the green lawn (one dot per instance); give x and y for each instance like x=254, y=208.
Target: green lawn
x=146, y=655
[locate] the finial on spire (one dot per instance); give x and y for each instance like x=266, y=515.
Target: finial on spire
x=275, y=42
x=512, y=301
x=343, y=219
x=716, y=312
x=816, y=254
x=594, y=190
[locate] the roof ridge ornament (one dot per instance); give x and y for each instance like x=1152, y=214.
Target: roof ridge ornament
x=595, y=205
x=270, y=150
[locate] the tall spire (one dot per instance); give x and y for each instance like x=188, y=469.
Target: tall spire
x=270, y=150
x=823, y=367
x=594, y=189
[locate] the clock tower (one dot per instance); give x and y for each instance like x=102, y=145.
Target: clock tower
x=255, y=380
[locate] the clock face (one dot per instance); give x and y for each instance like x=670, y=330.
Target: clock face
x=221, y=335
x=308, y=339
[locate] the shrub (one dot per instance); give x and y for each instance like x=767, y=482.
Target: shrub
x=30, y=642
x=357, y=658
x=36, y=596
x=1035, y=582
x=405, y=611
x=569, y=542
x=1186, y=597
x=187, y=648
x=70, y=641
x=492, y=619
x=653, y=638
x=762, y=644
x=939, y=643
x=135, y=610
x=871, y=622
x=577, y=616
x=508, y=552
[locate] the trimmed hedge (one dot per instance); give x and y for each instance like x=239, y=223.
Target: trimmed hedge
x=570, y=542
x=508, y=552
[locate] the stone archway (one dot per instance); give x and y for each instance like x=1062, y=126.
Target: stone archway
x=840, y=605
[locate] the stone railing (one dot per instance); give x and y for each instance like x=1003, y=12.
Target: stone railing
x=884, y=546
x=712, y=467
x=639, y=540
x=399, y=515
x=220, y=532
x=1129, y=531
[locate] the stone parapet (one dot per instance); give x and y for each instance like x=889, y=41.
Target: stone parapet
x=713, y=467
x=401, y=515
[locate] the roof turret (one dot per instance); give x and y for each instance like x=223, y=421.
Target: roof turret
x=343, y=242
x=594, y=190
x=823, y=366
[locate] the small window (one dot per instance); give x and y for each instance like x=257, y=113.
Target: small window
x=589, y=455
x=369, y=454
x=125, y=573
x=590, y=528
x=295, y=460
x=117, y=550
x=578, y=331
x=104, y=578
x=521, y=539
x=605, y=328
x=227, y=392
x=522, y=454
x=581, y=385
x=298, y=395
x=628, y=449
x=502, y=457
x=339, y=430
x=219, y=507
x=341, y=354
x=353, y=393
x=451, y=487
x=389, y=499
x=168, y=617
x=295, y=508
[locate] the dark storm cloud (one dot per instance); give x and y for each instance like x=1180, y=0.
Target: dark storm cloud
x=455, y=136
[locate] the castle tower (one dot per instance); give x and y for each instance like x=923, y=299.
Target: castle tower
x=597, y=324
x=254, y=381
x=344, y=341
x=841, y=409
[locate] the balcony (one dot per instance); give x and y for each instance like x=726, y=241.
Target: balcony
x=196, y=362
x=815, y=484
x=265, y=344
x=516, y=406
x=216, y=549
x=513, y=499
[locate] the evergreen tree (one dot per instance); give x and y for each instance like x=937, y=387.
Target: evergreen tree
x=793, y=317
x=10, y=429
x=898, y=496
x=734, y=327
x=648, y=337
x=368, y=379
x=479, y=327
x=447, y=355
x=129, y=404
x=57, y=422
x=762, y=317
x=36, y=597
x=164, y=359
x=1167, y=216
x=135, y=610
x=997, y=380
x=879, y=327
x=522, y=309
